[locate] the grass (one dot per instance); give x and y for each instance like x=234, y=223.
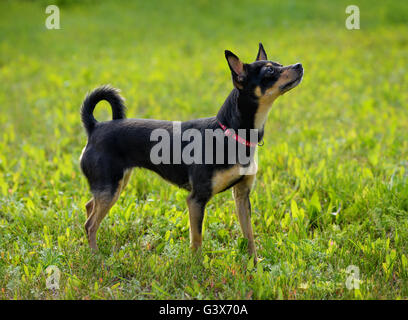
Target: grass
x=337, y=143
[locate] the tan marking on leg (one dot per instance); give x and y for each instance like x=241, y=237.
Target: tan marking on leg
x=102, y=203
x=126, y=176
x=89, y=207
x=196, y=215
x=224, y=178
x=243, y=206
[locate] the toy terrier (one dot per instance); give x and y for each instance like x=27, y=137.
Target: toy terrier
x=115, y=147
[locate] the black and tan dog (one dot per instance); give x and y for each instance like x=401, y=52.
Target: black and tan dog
x=115, y=147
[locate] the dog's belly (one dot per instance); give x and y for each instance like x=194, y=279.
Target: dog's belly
x=174, y=174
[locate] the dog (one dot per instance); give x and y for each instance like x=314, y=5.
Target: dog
x=115, y=147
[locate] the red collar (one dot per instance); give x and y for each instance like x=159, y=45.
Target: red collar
x=236, y=137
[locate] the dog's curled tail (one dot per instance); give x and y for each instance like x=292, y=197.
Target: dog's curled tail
x=107, y=93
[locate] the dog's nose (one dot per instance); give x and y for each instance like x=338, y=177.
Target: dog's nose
x=298, y=66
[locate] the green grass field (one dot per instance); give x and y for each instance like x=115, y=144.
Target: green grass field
x=337, y=143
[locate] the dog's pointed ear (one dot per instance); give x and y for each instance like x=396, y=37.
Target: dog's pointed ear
x=261, y=53
x=237, y=69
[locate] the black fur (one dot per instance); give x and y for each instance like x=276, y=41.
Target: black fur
x=102, y=93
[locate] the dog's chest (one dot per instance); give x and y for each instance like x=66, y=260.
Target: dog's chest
x=224, y=179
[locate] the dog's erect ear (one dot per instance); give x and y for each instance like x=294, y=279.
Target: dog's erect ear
x=237, y=69
x=261, y=53
x=236, y=66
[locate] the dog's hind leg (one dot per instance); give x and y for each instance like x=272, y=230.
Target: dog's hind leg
x=126, y=177
x=89, y=207
x=243, y=206
x=99, y=206
x=102, y=203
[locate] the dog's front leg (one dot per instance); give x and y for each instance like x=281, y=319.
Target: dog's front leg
x=243, y=206
x=196, y=208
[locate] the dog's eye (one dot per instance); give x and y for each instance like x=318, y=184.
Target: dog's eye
x=269, y=71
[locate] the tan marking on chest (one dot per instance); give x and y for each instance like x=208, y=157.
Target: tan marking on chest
x=266, y=100
x=265, y=103
x=224, y=178
x=258, y=91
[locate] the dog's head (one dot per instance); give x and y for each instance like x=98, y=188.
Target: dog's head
x=263, y=79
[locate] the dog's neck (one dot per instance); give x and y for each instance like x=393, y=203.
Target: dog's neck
x=239, y=111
